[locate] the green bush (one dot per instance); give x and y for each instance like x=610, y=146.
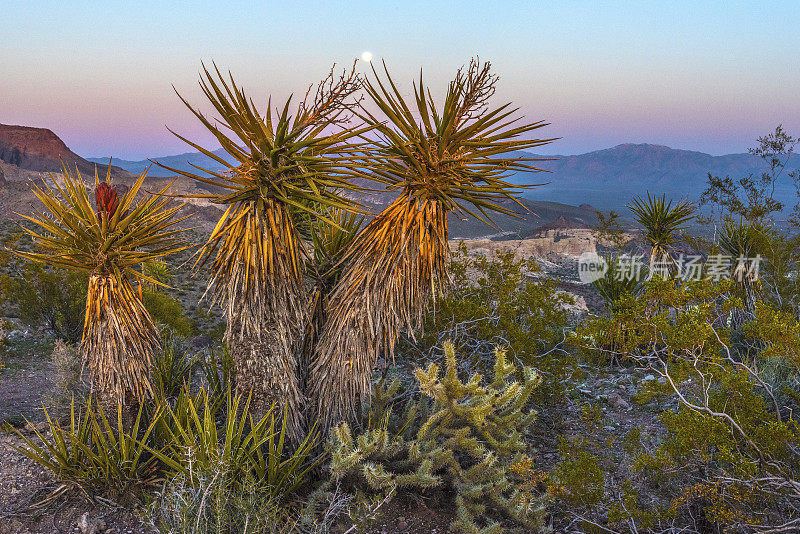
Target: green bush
x=214, y=503
x=168, y=312
x=728, y=456
x=472, y=435
x=493, y=302
x=49, y=297
x=579, y=476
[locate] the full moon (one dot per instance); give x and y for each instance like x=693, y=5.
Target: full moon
x=366, y=56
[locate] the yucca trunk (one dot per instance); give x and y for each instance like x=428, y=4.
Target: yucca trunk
x=263, y=296
x=119, y=339
x=379, y=294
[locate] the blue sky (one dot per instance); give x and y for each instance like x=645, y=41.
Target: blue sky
x=709, y=76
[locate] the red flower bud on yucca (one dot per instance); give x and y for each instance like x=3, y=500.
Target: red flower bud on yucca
x=106, y=199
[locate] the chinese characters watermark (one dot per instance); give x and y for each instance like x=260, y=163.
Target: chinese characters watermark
x=687, y=267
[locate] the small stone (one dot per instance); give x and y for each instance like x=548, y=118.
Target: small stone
x=86, y=525
x=618, y=402
x=648, y=378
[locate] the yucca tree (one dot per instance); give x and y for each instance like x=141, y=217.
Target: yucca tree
x=329, y=240
x=109, y=241
x=660, y=223
x=285, y=165
x=743, y=241
x=455, y=157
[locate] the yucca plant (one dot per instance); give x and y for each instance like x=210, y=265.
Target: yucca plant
x=284, y=165
x=328, y=242
x=743, y=241
x=108, y=241
x=238, y=447
x=197, y=443
x=172, y=370
x=94, y=454
x=613, y=287
x=453, y=158
x=660, y=222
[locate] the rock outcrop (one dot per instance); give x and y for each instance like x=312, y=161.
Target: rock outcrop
x=41, y=150
x=561, y=242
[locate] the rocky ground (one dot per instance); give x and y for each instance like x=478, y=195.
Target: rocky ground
x=26, y=488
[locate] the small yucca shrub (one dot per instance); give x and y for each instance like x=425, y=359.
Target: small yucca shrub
x=172, y=371
x=660, y=222
x=95, y=454
x=201, y=436
x=615, y=285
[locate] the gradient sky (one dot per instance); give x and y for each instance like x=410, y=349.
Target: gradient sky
x=708, y=76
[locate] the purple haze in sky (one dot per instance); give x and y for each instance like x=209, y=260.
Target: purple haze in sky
x=708, y=77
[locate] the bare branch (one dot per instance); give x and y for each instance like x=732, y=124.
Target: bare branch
x=329, y=105
x=478, y=86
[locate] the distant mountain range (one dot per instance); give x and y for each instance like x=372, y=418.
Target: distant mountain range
x=605, y=178
x=181, y=162
x=609, y=178
x=27, y=154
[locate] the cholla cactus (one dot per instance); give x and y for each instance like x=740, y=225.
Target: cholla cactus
x=473, y=434
x=109, y=241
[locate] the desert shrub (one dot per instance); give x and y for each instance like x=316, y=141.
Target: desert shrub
x=95, y=455
x=172, y=371
x=667, y=319
x=461, y=436
x=47, y=297
x=729, y=455
x=496, y=301
x=212, y=502
x=579, y=477
x=69, y=384
x=167, y=312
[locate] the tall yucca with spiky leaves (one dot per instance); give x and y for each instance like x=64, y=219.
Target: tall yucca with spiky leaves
x=285, y=165
x=743, y=242
x=660, y=223
x=441, y=160
x=329, y=241
x=108, y=241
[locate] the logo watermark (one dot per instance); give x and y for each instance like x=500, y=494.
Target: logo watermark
x=591, y=267
x=687, y=267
